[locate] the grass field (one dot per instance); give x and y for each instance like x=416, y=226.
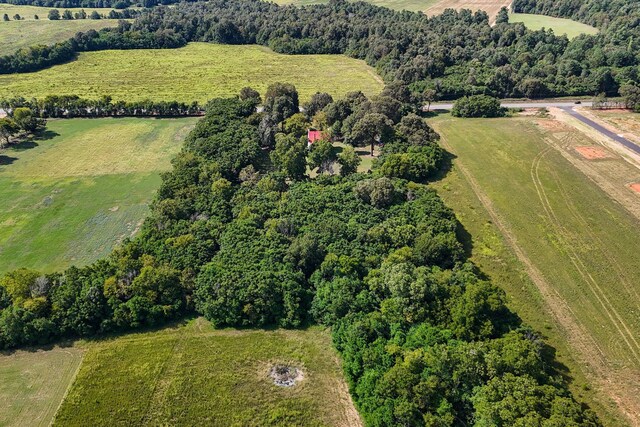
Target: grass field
x=34, y=383
x=558, y=25
x=69, y=198
x=510, y=188
x=199, y=71
x=15, y=35
x=27, y=13
x=195, y=375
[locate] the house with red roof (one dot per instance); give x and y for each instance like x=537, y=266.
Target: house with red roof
x=315, y=135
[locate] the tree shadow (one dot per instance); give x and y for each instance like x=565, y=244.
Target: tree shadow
x=445, y=166
x=27, y=144
x=7, y=160
x=45, y=135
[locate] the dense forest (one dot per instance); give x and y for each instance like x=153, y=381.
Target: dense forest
x=456, y=53
x=240, y=233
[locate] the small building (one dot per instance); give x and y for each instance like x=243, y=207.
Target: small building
x=314, y=135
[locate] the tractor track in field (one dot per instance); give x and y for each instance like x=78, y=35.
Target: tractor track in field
x=577, y=262
x=609, y=382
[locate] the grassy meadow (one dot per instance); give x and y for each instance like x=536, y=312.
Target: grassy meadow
x=27, y=13
x=568, y=229
x=71, y=196
x=209, y=377
x=199, y=71
x=34, y=383
x=559, y=25
x=16, y=35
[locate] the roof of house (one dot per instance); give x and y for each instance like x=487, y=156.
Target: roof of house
x=315, y=135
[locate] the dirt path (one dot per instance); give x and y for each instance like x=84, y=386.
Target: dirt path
x=610, y=382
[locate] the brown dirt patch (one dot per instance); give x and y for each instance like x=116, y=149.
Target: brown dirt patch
x=635, y=186
x=592, y=153
x=492, y=7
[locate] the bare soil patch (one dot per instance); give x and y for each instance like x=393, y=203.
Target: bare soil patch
x=592, y=153
x=492, y=7
x=285, y=375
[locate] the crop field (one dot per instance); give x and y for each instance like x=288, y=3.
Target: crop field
x=194, y=374
x=20, y=34
x=490, y=6
x=34, y=383
x=559, y=25
x=69, y=197
x=199, y=71
x=557, y=243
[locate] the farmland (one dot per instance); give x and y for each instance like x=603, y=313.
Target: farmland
x=72, y=195
x=490, y=6
x=20, y=34
x=412, y=5
x=28, y=13
x=199, y=71
x=28, y=390
x=212, y=377
x=514, y=186
x=559, y=25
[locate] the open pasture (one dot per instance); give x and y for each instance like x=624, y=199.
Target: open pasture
x=16, y=35
x=195, y=375
x=28, y=13
x=559, y=26
x=69, y=197
x=34, y=383
x=199, y=71
x=568, y=269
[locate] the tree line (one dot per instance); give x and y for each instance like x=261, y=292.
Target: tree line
x=19, y=123
x=240, y=233
x=116, y=4
x=70, y=106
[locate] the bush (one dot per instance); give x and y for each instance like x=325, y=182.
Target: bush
x=478, y=106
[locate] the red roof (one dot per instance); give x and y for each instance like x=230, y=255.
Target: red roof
x=315, y=135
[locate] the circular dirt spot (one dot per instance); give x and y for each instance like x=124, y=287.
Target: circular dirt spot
x=285, y=375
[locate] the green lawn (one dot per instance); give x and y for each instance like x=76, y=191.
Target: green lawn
x=70, y=197
x=195, y=375
x=15, y=35
x=558, y=25
x=199, y=71
x=33, y=384
x=571, y=231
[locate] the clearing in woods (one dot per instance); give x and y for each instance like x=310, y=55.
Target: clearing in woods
x=412, y=5
x=559, y=25
x=193, y=374
x=69, y=197
x=15, y=35
x=196, y=72
x=537, y=208
x=34, y=383
x=492, y=7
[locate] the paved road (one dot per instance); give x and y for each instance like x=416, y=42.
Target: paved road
x=542, y=104
x=622, y=140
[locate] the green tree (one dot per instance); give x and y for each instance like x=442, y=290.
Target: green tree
x=289, y=156
x=54, y=14
x=296, y=125
x=5, y=17
x=429, y=96
x=94, y=15
x=281, y=101
x=8, y=129
x=67, y=15
x=349, y=161
x=631, y=95
x=322, y=156
x=26, y=120
x=503, y=16
x=372, y=128
x=477, y=106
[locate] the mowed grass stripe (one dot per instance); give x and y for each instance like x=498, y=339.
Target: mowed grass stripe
x=69, y=198
x=198, y=71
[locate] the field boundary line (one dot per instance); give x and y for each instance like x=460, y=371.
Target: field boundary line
x=587, y=349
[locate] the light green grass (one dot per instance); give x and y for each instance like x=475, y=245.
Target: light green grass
x=558, y=25
x=195, y=375
x=71, y=198
x=27, y=13
x=34, y=383
x=16, y=35
x=199, y=71
x=499, y=154
x=411, y=5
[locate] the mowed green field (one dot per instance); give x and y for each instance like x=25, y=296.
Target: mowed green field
x=70, y=197
x=16, y=35
x=199, y=71
x=569, y=231
x=559, y=25
x=34, y=383
x=195, y=375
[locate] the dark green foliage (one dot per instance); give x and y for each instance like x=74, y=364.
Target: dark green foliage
x=477, y=106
